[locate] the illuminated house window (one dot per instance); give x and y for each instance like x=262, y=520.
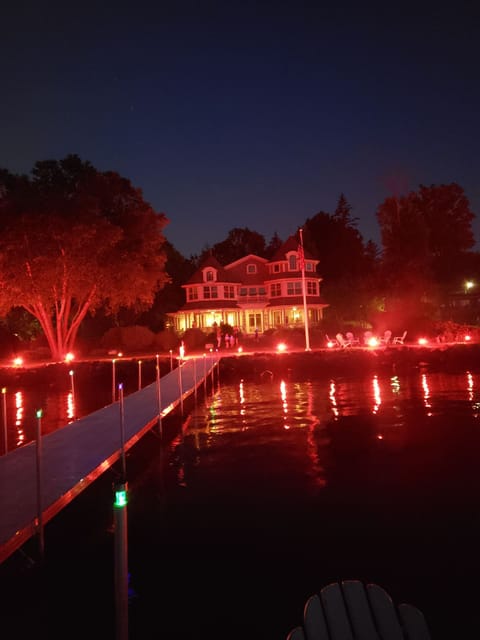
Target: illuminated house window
x=192, y=293
x=210, y=292
x=294, y=288
x=251, y=268
x=275, y=290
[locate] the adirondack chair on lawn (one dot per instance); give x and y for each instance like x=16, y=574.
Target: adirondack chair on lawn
x=350, y=610
x=400, y=339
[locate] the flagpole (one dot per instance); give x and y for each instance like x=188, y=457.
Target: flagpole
x=305, y=310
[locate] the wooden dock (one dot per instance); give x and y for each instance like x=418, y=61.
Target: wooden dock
x=41, y=480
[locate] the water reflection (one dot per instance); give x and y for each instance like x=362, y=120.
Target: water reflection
x=20, y=433
x=271, y=405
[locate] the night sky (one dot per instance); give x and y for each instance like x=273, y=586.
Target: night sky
x=247, y=114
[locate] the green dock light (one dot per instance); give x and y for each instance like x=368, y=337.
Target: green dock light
x=39, y=413
x=121, y=498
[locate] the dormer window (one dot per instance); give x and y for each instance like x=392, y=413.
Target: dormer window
x=251, y=268
x=209, y=275
x=292, y=262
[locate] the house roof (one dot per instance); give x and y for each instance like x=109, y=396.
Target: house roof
x=222, y=275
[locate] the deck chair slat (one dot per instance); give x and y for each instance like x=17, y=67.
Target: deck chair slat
x=336, y=612
x=359, y=610
x=413, y=622
x=314, y=620
x=384, y=612
x=296, y=634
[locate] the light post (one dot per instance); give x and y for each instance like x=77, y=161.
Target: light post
x=469, y=285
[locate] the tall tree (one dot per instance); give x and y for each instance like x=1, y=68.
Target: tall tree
x=347, y=265
x=239, y=243
x=72, y=240
x=426, y=232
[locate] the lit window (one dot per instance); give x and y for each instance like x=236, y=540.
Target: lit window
x=294, y=288
x=210, y=292
x=275, y=290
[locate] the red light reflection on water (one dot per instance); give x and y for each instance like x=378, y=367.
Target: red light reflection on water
x=283, y=395
x=426, y=393
x=19, y=418
x=376, y=394
x=332, y=398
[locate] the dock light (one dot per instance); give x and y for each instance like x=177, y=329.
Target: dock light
x=422, y=341
x=4, y=390
x=120, y=498
x=39, y=413
x=281, y=347
x=468, y=338
x=69, y=357
x=373, y=342
x=240, y=350
x=18, y=361
x=330, y=344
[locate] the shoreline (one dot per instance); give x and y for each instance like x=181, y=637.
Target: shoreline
x=349, y=360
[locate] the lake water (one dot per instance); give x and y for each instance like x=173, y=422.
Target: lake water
x=273, y=488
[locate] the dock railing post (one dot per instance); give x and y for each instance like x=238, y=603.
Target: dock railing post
x=195, y=377
x=159, y=396
x=122, y=432
x=205, y=374
x=40, y=529
x=5, y=430
x=180, y=387
x=113, y=380
x=121, y=560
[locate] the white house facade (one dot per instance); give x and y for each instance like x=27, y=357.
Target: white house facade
x=253, y=293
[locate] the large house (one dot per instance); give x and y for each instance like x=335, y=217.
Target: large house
x=253, y=294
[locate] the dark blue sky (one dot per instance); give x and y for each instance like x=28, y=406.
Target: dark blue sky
x=247, y=114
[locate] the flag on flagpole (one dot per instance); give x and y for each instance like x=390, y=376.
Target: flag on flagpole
x=301, y=255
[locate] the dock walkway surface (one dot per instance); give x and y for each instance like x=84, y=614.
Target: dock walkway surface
x=72, y=457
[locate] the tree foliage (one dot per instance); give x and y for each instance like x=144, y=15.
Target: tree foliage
x=72, y=240
x=426, y=233
x=347, y=265
x=238, y=244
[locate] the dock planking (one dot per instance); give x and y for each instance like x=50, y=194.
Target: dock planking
x=72, y=457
